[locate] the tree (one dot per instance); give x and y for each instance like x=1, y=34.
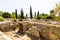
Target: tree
x=13, y=15
x=59, y=14
x=35, y=14
x=18, y=16
x=22, y=14
x=1, y=13
x=54, y=11
x=26, y=15
x=43, y=16
x=31, y=16
x=38, y=15
x=49, y=17
x=6, y=15
x=16, y=12
x=51, y=11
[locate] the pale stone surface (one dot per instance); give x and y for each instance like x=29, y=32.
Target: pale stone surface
x=17, y=37
x=7, y=25
x=47, y=31
x=4, y=37
x=10, y=36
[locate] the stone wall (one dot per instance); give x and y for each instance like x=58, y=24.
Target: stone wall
x=42, y=30
x=7, y=26
x=45, y=32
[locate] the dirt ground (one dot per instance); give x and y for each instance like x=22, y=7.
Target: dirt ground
x=15, y=36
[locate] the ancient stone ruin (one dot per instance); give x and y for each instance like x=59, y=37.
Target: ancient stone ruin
x=8, y=26
x=40, y=30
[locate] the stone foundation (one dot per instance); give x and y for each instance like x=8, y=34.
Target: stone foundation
x=8, y=26
x=45, y=32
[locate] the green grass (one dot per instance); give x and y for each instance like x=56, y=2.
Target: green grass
x=1, y=18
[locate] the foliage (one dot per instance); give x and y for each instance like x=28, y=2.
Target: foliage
x=13, y=15
x=38, y=17
x=22, y=14
x=18, y=16
x=51, y=11
x=57, y=19
x=1, y=18
x=54, y=11
x=26, y=16
x=31, y=16
x=16, y=12
x=6, y=15
x=43, y=16
x=1, y=13
x=49, y=17
x=35, y=14
x=14, y=20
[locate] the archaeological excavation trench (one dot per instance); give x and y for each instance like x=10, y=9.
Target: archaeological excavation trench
x=34, y=30
x=41, y=30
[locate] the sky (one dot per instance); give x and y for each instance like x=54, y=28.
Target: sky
x=43, y=6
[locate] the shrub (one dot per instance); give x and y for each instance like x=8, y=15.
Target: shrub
x=38, y=17
x=57, y=19
x=1, y=18
x=13, y=15
x=49, y=17
x=18, y=16
x=6, y=15
x=14, y=20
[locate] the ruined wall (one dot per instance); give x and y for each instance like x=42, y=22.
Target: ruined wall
x=8, y=26
x=46, y=32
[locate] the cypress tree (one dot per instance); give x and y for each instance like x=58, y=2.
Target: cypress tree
x=22, y=14
x=16, y=12
x=31, y=16
x=35, y=14
x=26, y=15
x=38, y=15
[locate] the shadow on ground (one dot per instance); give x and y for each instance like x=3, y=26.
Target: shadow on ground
x=20, y=33
x=33, y=37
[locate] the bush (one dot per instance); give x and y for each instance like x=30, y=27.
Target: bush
x=57, y=19
x=1, y=18
x=14, y=20
x=43, y=16
x=13, y=15
x=6, y=15
x=38, y=17
x=49, y=17
x=18, y=16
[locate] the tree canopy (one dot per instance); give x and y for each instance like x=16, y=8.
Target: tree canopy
x=31, y=15
x=22, y=14
x=6, y=15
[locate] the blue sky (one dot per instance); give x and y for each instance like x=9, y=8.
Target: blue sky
x=41, y=5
